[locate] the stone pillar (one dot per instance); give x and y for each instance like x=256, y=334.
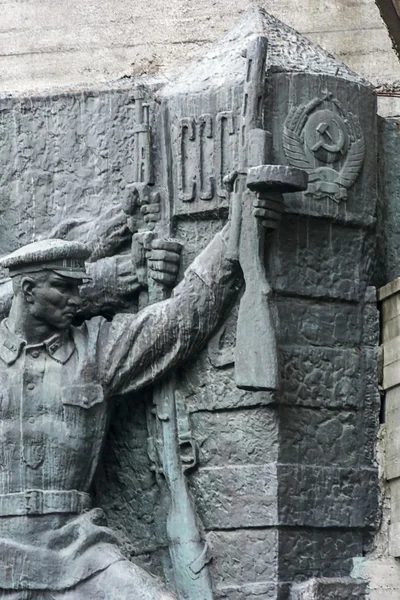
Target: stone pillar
x=389, y=295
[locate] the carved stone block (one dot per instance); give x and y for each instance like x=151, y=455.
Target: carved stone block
x=232, y=497
x=329, y=589
x=294, y=267
x=304, y=369
x=338, y=497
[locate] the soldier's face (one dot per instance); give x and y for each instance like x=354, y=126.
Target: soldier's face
x=56, y=300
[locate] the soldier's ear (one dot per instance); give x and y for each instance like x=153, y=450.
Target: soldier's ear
x=27, y=287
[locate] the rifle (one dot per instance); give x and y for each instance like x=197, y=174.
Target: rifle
x=188, y=551
x=256, y=355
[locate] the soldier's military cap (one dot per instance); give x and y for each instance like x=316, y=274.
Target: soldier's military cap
x=63, y=257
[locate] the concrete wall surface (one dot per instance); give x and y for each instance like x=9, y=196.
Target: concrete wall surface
x=49, y=43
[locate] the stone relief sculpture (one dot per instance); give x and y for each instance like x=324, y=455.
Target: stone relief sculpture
x=59, y=380
x=326, y=141
x=57, y=384
x=216, y=423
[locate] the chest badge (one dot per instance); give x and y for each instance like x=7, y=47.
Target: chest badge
x=33, y=450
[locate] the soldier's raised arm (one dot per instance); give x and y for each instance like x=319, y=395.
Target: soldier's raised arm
x=135, y=350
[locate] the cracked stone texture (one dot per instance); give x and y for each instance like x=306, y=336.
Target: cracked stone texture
x=327, y=553
x=65, y=155
x=321, y=437
x=321, y=377
x=236, y=437
x=242, y=556
x=269, y=495
x=295, y=269
x=329, y=589
x=309, y=322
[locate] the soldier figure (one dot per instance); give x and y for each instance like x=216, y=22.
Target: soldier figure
x=58, y=383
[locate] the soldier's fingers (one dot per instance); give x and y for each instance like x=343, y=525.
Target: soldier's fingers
x=120, y=232
x=269, y=204
x=150, y=208
x=116, y=220
x=123, y=259
x=128, y=279
x=124, y=271
x=151, y=218
x=268, y=224
x=171, y=257
x=266, y=214
x=160, y=265
x=161, y=244
x=164, y=278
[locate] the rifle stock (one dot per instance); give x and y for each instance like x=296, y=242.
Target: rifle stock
x=256, y=363
x=188, y=551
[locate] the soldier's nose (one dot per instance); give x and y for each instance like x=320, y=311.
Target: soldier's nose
x=74, y=301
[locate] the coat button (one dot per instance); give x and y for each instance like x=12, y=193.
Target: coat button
x=35, y=354
x=31, y=386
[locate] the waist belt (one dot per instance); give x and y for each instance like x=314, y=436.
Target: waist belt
x=42, y=502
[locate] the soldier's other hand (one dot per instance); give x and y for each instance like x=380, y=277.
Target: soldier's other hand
x=163, y=260
x=268, y=210
x=127, y=278
x=111, y=233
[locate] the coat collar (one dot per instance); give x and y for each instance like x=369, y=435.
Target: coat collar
x=59, y=346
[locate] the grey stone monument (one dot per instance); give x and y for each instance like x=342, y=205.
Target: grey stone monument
x=224, y=426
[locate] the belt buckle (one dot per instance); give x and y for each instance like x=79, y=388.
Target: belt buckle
x=34, y=502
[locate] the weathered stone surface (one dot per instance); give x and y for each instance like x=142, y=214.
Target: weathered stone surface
x=234, y=497
x=372, y=402
x=243, y=556
x=371, y=321
x=307, y=322
x=210, y=387
x=329, y=589
x=130, y=495
x=327, y=496
x=236, y=437
x=65, y=157
x=320, y=437
x=321, y=377
x=195, y=234
x=295, y=269
x=388, y=248
x=316, y=552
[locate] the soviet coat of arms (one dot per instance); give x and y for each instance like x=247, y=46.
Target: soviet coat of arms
x=326, y=141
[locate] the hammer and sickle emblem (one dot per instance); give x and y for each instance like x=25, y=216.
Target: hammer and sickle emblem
x=326, y=137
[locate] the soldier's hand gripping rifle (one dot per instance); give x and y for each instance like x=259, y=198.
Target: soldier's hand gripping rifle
x=256, y=185
x=187, y=549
